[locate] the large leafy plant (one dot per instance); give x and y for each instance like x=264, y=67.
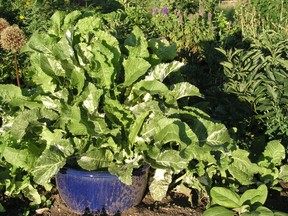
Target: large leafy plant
x=95, y=103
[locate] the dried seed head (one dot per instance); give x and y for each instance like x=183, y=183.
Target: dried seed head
x=3, y=24
x=12, y=38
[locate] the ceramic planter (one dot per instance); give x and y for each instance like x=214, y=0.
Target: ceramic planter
x=100, y=191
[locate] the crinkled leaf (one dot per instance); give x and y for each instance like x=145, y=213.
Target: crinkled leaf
x=91, y=97
x=38, y=42
x=95, y=159
x=160, y=183
x=242, y=168
x=283, y=174
x=51, y=67
x=124, y=172
x=136, y=127
x=207, y=131
x=88, y=25
x=75, y=119
x=22, y=121
x=173, y=130
x=45, y=81
x=58, y=140
x=12, y=95
x=106, y=59
x=167, y=159
x=19, y=158
x=48, y=165
x=152, y=87
x=102, y=71
x=137, y=44
x=161, y=71
x=70, y=19
x=163, y=49
x=108, y=42
x=31, y=193
x=274, y=153
x=56, y=23
x=184, y=89
x=117, y=113
x=225, y=197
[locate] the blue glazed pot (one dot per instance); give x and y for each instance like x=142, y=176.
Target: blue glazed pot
x=100, y=191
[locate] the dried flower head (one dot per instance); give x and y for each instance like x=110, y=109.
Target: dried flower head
x=3, y=24
x=12, y=38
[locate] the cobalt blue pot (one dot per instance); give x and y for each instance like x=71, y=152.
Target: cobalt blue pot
x=100, y=191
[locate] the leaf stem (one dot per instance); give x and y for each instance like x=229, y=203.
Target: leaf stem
x=16, y=68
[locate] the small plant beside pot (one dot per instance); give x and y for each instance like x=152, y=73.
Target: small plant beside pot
x=99, y=104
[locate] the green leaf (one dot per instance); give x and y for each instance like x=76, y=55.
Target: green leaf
x=168, y=159
x=58, y=140
x=51, y=67
x=184, y=89
x=31, y=193
x=123, y=171
x=225, y=197
x=10, y=93
x=278, y=213
x=70, y=19
x=134, y=67
x=22, y=121
x=218, y=211
x=91, y=97
x=2, y=209
x=24, y=160
x=274, y=153
x=137, y=44
x=88, y=25
x=78, y=79
x=136, y=127
x=56, y=23
x=48, y=165
x=161, y=71
x=264, y=211
x=283, y=173
x=163, y=49
x=95, y=159
x=242, y=168
x=173, y=130
x=153, y=87
x=254, y=196
x=160, y=183
x=38, y=42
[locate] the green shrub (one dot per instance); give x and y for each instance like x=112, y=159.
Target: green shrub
x=259, y=76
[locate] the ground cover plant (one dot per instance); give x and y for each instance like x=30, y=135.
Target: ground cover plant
x=241, y=151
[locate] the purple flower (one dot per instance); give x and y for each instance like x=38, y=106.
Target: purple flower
x=165, y=11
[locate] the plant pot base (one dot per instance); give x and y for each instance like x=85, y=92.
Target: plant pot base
x=96, y=192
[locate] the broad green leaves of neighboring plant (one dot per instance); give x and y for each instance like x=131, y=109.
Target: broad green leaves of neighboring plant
x=229, y=202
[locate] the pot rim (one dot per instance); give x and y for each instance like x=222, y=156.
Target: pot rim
x=98, y=173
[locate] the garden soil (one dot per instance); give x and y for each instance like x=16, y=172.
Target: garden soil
x=173, y=205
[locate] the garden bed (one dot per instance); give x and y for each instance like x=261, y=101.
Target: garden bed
x=173, y=204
